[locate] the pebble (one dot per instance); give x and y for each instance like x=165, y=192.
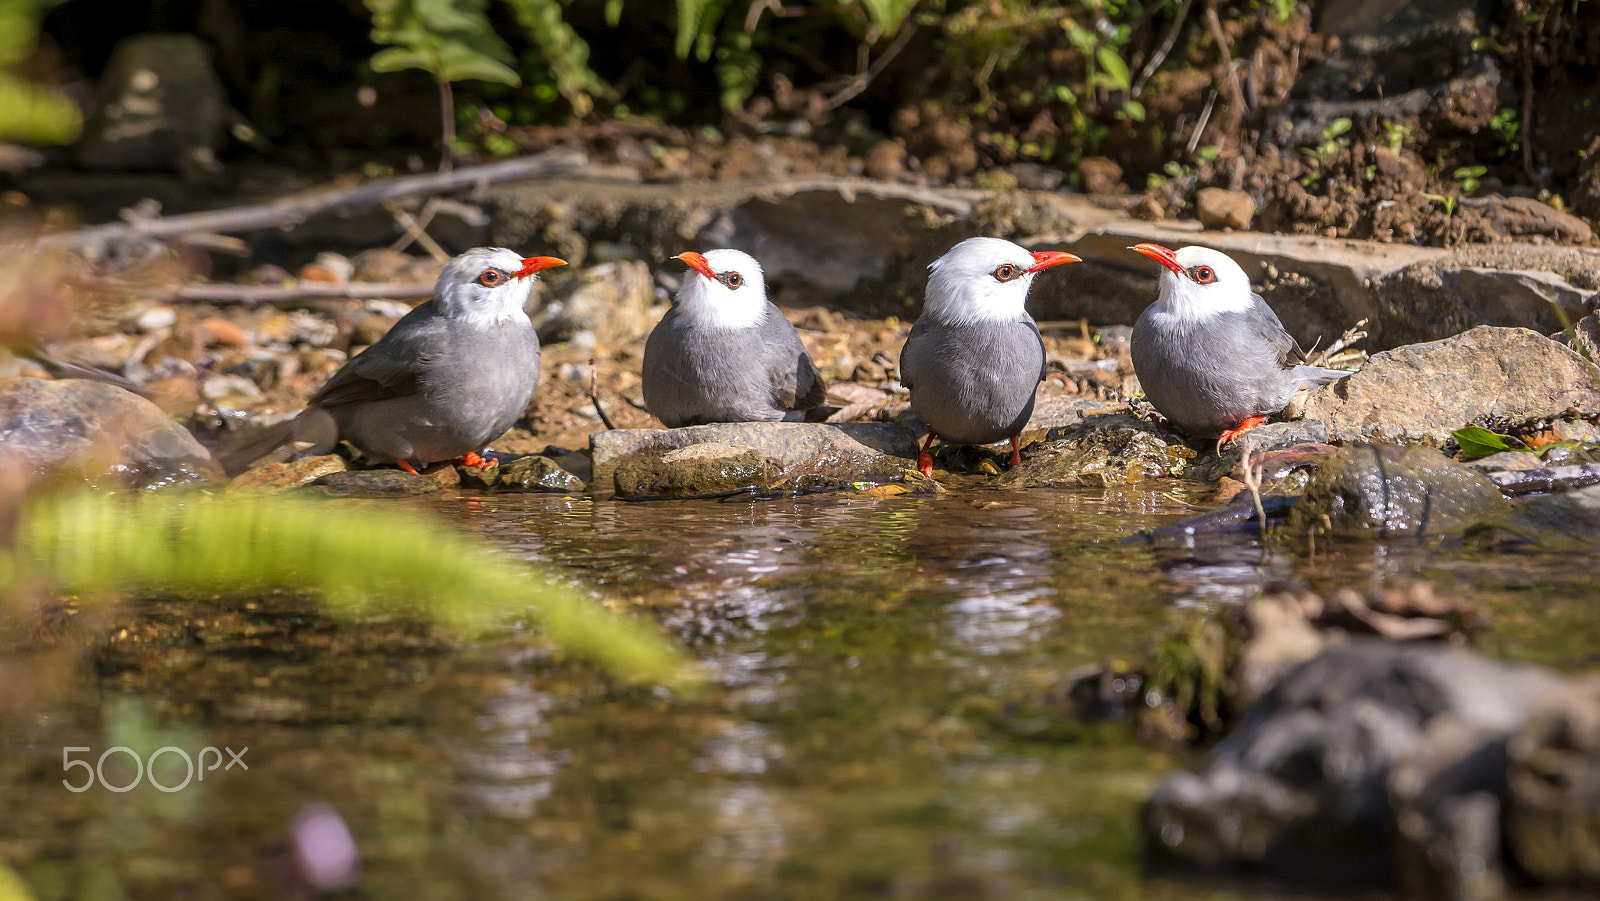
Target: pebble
x=156, y=318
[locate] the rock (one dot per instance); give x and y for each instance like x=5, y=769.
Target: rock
x=1506, y=461
x=1558, y=522
x=1553, y=816
x=1058, y=411
x=1035, y=177
x=224, y=332
x=1265, y=441
x=612, y=301
x=1300, y=787
x=534, y=473
x=275, y=478
x=1222, y=208
x=374, y=483
x=1423, y=392
x=1099, y=175
x=698, y=470
x=1446, y=794
x=1521, y=216
x=160, y=105
x=1387, y=491
x=887, y=159
x=100, y=431
x=859, y=451
x=1114, y=449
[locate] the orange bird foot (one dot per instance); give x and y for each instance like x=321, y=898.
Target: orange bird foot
x=406, y=466
x=925, y=457
x=1016, y=452
x=471, y=458
x=1243, y=427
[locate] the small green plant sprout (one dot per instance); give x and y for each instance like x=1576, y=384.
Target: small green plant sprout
x=1468, y=177
x=1209, y=153
x=1134, y=110
x=1505, y=125
x=1394, y=135
x=1446, y=201
x=1333, y=140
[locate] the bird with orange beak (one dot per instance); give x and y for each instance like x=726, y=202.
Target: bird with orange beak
x=452, y=375
x=1210, y=354
x=974, y=358
x=724, y=353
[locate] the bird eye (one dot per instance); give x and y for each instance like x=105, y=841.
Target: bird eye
x=1203, y=274
x=1007, y=272
x=490, y=278
x=732, y=279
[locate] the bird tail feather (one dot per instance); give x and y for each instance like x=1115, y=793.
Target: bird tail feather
x=252, y=446
x=1312, y=376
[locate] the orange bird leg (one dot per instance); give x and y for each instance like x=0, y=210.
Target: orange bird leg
x=471, y=458
x=924, y=458
x=406, y=466
x=1016, y=451
x=1243, y=427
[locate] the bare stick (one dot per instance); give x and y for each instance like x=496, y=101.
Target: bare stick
x=864, y=77
x=252, y=295
x=295, y=209
x=1351, y=335
x=1252, y=481
x=594, y=393
x=417, y=229
x=1236, y=109
x=1162, y=51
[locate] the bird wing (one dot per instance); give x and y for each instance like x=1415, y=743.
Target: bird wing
x=1269, y=331
x=1044, y=365
x=388, y=369
x=796, y=384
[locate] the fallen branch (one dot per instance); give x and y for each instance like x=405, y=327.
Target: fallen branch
x=1548, y=479
x=297, y=208
x=252, y=295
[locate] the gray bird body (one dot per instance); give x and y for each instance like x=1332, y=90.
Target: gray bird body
x=695, y=374
x=1209, y=353
x=724, y=353
x=453, y=374
x=1208, y=375
x=434, y=388
x=973, y=382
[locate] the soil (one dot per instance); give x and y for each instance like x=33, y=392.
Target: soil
x=1394, y=121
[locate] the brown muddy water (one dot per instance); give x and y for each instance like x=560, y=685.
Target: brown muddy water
x=885, y=716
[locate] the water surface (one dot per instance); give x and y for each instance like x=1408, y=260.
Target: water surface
x=886, y=712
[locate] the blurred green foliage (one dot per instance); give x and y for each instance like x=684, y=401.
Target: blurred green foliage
x=359, y=561
x=30, y=113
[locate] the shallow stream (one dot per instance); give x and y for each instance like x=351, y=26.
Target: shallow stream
x=886, y=713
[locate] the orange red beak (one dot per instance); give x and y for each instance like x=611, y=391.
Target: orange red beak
x=1161, y=255
x=697, y=262
x=1044, y=259
x=530, y=265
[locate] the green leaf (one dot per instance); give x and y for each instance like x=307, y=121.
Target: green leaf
x=33, y=114
x=1480, y=442
x=1115, y=69
x=1336, y=128
x=1134, y=109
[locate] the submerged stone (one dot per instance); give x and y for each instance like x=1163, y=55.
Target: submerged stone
x=1553, y=816
x=374, y=483
x=1302, y=787
x=1386, y=491
x=532, y=473
x=1555, y=522
x=699, y=470
x=1115, y=449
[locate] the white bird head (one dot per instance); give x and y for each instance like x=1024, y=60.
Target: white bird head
x=1199, y=282
x=985, y=279
x=488, y=284
x=725, y=290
